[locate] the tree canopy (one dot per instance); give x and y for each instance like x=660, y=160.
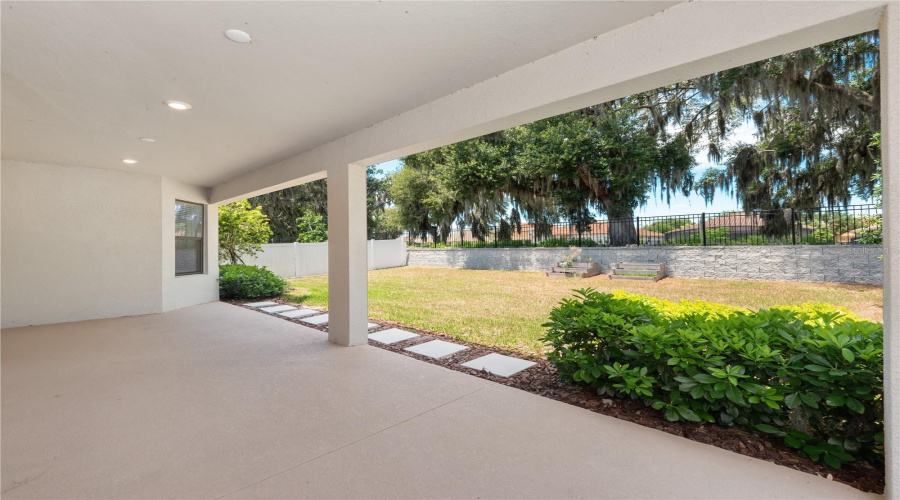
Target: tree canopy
x=815, y=112
x=312, y=228
x=565, y=167
x=242, y=231
x=309, y=202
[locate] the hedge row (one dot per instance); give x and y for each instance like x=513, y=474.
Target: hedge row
x=237, y=281
x=811, y=374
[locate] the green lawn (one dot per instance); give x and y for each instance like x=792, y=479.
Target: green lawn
x=506, y=308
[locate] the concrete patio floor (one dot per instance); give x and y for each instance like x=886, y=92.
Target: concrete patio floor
x=217, y=401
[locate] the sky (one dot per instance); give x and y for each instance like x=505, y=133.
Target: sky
x=680, y=204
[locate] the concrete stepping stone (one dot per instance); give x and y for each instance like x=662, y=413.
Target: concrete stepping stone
x=373, y=325
x=261, y=304
x=299, y=313
x=392, y=336
x=277, y=309
x=436, y=349
x=316, y=320
x=498, y=364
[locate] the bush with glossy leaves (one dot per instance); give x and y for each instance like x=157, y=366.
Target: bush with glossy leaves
x=811, y=374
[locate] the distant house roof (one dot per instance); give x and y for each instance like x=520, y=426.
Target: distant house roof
x=592, y=229
x=603, y=228
x=730, y=220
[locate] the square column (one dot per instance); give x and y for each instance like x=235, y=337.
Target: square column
x=348, y=303
x=890, y=170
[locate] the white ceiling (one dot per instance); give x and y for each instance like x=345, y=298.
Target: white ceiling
x=82, y=81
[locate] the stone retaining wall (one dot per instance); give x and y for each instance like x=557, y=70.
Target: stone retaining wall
x=831, y=263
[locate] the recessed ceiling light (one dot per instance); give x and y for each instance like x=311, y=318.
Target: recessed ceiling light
x=238, y=36
x=129, y=161
x=178, y=105
x=147, y=139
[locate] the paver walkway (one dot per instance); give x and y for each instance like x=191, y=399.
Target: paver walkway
x=392, y=336
x=500, y=365
x=261, y=304
x=299, y=313
x=497, y=364
x=316, y=320
x=277, y=309
x=436, y=349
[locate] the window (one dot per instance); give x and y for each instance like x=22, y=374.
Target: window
x=188, y=238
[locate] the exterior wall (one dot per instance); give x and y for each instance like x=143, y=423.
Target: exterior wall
x=78, y=244
x=183, y=291
x=81, y=243
x=292, y=260
x=837, y=264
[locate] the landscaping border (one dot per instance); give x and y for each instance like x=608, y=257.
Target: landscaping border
x=856, y=264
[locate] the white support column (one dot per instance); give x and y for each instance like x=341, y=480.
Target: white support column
x=347, y=256
x=890, y=161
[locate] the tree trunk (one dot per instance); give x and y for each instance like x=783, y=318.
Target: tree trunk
x=445, y=233
x=622, y=231
x=621, y=226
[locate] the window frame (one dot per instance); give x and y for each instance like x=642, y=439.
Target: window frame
x=201, y=256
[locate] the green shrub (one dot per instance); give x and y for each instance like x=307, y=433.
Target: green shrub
x=811, y=374
x=238, y=281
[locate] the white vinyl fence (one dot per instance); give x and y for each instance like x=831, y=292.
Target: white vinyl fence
x=293, y=260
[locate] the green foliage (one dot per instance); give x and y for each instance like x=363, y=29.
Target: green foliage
x=460, y=182
x=873, y=224
x=811, y=373
x=238, y=281
x=284, y=207
x=386, y=225
x=872, y=232
x=378, y=197
x=242, y=231
x=563, y=167
x=815, y=115
x=666, y=225
x=567, y=242
x=609, y=161
x=816, y=144
x=501, y=243
x=312, y=228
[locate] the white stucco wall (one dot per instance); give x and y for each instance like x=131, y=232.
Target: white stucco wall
x=183, y=291
x=78, y=244
x=81, y=243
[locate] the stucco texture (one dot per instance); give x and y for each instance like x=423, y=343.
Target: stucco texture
x=82, y=243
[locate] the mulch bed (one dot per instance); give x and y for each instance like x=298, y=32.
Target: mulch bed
x=543, y=380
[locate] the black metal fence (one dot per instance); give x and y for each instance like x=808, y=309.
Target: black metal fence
x=855, y=224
